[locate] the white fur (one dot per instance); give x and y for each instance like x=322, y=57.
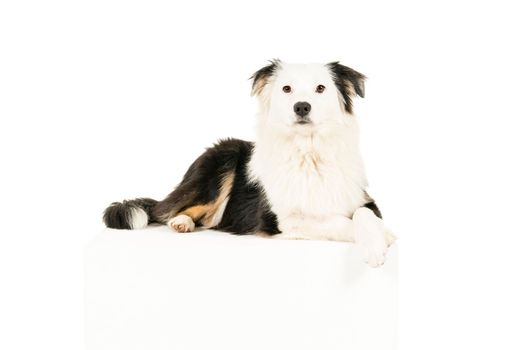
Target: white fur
x=313, y=174
x=182, y=223
x=139, y=218
x=217, y=217
x=371, y=236
x=333, y=227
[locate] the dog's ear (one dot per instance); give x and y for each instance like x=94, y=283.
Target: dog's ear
x=261, y=77
x=348, y=81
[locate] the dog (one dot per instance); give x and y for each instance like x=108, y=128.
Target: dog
x=302, y=178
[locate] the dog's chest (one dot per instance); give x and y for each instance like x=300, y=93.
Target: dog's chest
x=309, y=180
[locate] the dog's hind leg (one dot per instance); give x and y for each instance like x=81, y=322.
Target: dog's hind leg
x=202, y=196
x=185, y=208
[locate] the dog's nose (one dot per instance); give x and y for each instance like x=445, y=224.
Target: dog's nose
x=302, y=108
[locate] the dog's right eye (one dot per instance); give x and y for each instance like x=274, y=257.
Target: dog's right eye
x=287, y=89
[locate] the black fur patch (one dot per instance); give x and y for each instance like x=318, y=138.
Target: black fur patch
x=260, y=78
x=372, y=206
x=246, y=212
x=347, y=81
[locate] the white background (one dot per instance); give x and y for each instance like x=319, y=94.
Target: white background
x=105, y=100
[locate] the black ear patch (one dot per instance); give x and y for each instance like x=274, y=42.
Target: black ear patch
x=349, y=82
x=260, y=78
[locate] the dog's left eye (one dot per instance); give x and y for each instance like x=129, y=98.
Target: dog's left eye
x=319, y=89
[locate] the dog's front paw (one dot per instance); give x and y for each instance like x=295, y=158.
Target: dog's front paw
x=371, y=237
x=182, y=223
x=374, y=254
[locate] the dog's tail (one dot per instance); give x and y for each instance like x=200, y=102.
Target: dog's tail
x=130, y=214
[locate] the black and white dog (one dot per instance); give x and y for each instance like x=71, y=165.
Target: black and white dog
x=303, y=177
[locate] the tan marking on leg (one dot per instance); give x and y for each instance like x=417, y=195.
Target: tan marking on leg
x=210, y=219
x=205, y=214
x=196, y=212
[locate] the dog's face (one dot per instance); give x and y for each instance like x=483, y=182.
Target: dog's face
x=304, y=97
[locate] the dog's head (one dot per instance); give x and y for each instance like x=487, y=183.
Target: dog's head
x=306, y=96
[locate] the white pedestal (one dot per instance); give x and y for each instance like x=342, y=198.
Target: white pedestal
x=154, y=289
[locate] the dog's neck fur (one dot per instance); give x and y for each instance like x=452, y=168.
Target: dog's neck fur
x=310, y=172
